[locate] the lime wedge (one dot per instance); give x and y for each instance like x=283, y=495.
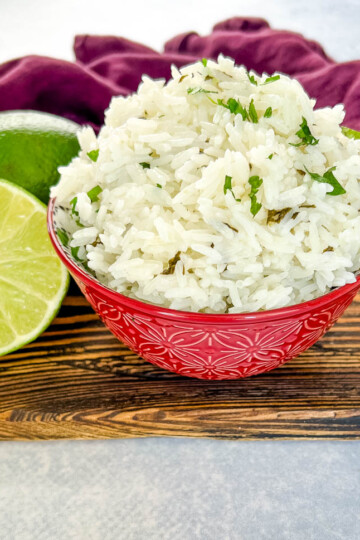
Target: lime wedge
x=33, y=281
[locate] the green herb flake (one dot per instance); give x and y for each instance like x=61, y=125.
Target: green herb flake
x=193, y=91
x=270, y=156
x=74, y=253
x=252, y=112
x=234, y=107
x=328, y=178
x=93, y=155
x=271, y=79
x=182, y=78
x=204, y=62
x=305, y=135
x=350, y=133
x=63, y=237
x=255, y=183
x=145, y=165
x=73, y=206
x=268, y=112
x=212, y=101
x=159, y=186
x=275, y=216
x=228, y=187
x=171, y=264
x=227, y=184
x=93, y=193
x=252, y=79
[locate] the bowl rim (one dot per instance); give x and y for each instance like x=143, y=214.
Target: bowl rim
x=159, y=311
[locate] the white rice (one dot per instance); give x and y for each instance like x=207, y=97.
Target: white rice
x=223, y=259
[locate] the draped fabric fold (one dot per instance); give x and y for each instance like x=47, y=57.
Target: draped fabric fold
x=106, y=66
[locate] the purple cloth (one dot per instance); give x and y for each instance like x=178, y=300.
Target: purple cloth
x=106, y=66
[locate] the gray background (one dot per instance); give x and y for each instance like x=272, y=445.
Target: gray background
x=176, y=488
x=48, y=26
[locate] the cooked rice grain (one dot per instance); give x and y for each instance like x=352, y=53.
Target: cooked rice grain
x=165, y=230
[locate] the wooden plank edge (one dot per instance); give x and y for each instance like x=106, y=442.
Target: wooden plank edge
x=231, y=423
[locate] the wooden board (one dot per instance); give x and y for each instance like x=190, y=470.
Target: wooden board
x=77, y=381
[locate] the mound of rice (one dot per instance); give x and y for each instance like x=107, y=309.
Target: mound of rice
x=219, y=191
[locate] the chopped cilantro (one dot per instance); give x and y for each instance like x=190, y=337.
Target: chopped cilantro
x=93, y=193
x=93, y=154
x=200, y=91
x=74, y=253
x=270, y=156
x=252, y=79
x=255, y=183
x=73, y=206
x=228, y=187
x=234, y=107
x=305, y=135
x=350, y=133
x=145, y=165
x=159, y=186
x=268, y=112
x=271, y=79
x=328, y=178
x=171, y=264
x=63, y=237
x=252, y=112
x=204, y=62
x=275, y=216
x=227, y=183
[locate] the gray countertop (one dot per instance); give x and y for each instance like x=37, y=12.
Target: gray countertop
x=176, y=488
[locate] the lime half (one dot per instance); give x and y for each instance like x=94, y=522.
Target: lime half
x=33, y=281
x=32, y=147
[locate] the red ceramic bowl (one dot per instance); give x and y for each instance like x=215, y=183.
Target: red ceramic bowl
x=209, y=346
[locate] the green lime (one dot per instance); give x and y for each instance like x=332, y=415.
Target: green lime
x=33, y=281
x=32, y=147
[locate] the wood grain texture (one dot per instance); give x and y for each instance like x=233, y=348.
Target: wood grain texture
x=77, y=381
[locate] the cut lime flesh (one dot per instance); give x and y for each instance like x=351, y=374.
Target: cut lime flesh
x=33, y=281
